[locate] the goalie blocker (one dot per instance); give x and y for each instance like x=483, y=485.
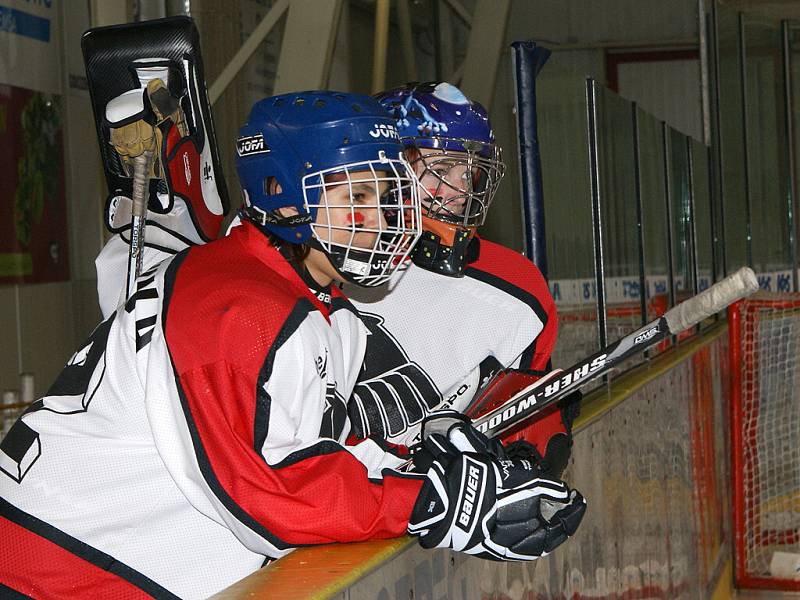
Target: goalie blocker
x=120, y=61
x=502, y=415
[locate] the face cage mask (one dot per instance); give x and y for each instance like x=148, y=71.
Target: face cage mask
x=366, y=247
x=458, y=186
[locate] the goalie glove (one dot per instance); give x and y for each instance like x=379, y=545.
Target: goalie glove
x=477, y=501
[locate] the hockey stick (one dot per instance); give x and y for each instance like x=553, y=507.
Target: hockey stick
x=138, y=143
x=513, y=413
x=141, y=170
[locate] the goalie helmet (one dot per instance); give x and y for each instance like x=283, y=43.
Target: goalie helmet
x=450, y=143
x=295, y=148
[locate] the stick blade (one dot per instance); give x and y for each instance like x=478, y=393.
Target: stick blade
x=709, y=302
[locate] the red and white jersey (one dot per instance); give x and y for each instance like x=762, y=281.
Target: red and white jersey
x=198, y=432
x=434, y=340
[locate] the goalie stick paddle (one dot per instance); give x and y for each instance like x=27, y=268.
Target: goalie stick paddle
x=514, y=412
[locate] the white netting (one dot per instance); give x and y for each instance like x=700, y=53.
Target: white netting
x=769, y=433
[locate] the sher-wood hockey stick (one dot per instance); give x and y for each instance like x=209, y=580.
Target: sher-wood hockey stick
x=141, y=170
x=513, y=413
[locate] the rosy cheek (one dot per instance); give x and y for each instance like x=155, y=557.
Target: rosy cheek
x=355, y=219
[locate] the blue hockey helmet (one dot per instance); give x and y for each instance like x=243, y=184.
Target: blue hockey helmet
x=450, y=143
x=296, y=147
x=438, y=115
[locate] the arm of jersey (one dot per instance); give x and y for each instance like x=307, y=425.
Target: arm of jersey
x=268, y=462
x=551, y=433
x=536, y=357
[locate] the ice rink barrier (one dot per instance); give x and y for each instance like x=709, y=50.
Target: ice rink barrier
x=650, y=456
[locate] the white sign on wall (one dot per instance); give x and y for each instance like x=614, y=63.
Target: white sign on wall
x=30, y=51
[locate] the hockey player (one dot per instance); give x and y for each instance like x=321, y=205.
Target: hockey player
x=466, y=308
x=201, y=429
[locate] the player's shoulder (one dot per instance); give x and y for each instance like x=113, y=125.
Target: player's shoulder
x=242, y=266
x=231, y=302
x=505, y=267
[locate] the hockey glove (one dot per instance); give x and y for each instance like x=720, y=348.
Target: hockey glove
x=548, y=440
x=479, y=502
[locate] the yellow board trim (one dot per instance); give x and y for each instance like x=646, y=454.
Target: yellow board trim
x=724, y=587
x=316, y=572
x=601, y=401
x=319, y=572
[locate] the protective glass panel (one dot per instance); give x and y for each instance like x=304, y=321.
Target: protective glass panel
x=732, y=139
x=652, y=189
x=714, y=165
x=680, y=215
x=701, y=194
x=563, y=139
x=766, y=149
x=794, y=75
x=616, y=163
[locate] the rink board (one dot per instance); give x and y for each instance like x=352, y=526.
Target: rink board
x=651, y=459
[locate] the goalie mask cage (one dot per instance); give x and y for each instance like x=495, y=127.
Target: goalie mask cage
x=765, y=430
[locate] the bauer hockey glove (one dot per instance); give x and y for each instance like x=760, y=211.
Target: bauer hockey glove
x=479, y=502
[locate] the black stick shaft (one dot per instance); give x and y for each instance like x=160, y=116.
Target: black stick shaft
x=517, y=411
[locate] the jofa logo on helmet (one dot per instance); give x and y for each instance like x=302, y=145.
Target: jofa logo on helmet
x=251, y=144
x=385, y=130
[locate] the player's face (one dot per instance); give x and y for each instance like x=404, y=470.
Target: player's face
x=447, y=184
x=351, y=211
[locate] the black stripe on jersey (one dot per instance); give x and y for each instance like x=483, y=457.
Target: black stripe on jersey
x=261, y=427
x=126, y=229
x=519, y=294
x=321, y=448
x=200, y=453
x=140, y=294
x=342, y=303
x=142, y=324
x=83, y=550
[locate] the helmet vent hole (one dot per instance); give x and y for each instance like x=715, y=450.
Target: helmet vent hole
x=299, y=101
x=270, y=186
x=278, y=102
x=357, y=108
x=319, y=103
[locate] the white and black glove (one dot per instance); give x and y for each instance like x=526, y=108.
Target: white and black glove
x=477, y=501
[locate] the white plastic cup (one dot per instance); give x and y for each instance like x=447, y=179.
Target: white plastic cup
x=9, y=397
x=26, y=395
x=7, y=416
x=785, y=565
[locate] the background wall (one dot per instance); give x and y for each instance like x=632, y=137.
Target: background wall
x=41, y=324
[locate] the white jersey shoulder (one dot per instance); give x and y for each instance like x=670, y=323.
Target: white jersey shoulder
x=433, y=339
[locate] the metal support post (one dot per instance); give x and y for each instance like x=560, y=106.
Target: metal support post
x=791, y=182
x=528, y=60
x=597, y=213
x=380, y=46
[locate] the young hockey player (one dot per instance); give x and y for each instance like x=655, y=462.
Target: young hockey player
x=201, y=429
x=466, y=308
